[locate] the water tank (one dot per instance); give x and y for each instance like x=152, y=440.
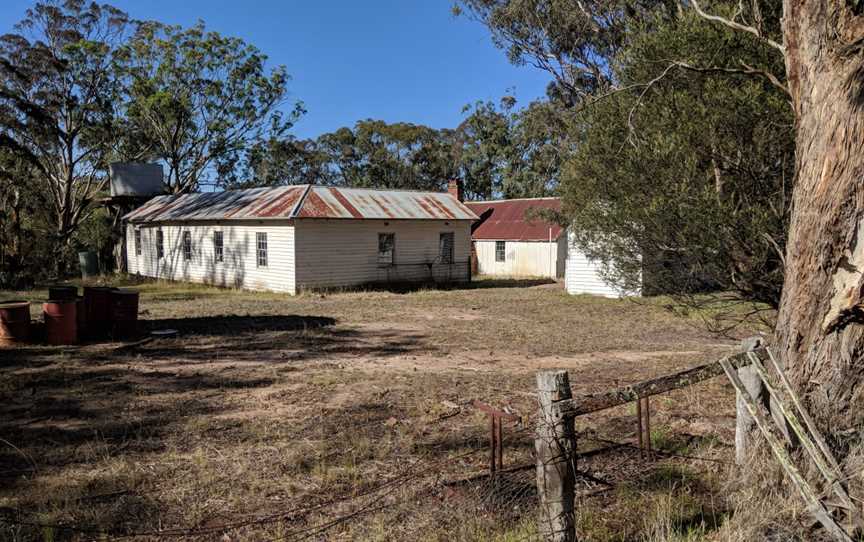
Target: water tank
x=129, y=179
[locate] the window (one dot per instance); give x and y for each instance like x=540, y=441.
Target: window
x=386, y=249
x=218, y=252
x=499, y=251
x=160, y=247
x=445, y=247
x=187, y=246
x=261, y=245
x=137, y=241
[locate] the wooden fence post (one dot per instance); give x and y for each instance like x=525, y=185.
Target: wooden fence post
x=555, y=444
x=744, y=422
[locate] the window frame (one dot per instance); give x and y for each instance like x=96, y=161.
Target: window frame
x=137, y=240
x=446, y=257
x=502, y=251
x=160, y=244
x=186, y=241
x=383, y=260
x=261, y=249
x=219, y=248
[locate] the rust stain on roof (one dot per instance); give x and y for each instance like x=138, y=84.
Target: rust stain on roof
x=314, y=207
x=440, y=207
x=302, y=201
x=282, y=205
x=383, y=207
x=345, y=203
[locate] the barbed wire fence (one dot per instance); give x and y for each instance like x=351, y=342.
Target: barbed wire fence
x=431, y=487
x=453, y=494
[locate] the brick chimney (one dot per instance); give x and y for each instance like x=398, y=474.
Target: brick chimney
x=454, y=188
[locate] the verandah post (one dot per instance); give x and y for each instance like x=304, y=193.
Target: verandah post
x=555, y=444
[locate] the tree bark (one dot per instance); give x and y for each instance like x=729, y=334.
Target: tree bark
x=819, y=330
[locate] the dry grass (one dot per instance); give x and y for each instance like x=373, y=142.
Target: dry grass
x=268, y=406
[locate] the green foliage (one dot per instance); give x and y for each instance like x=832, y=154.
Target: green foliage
x=497, y=152
x=677, y=151
x=200, y=101
x=58, y=99
x=684, y=183
x=573, y=42
x=81, y=86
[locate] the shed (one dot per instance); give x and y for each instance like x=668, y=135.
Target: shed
x=292, y=238
x=511, y=239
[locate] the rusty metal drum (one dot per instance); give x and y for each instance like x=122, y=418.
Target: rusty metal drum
x=124, y=313
x=97, y=300
x=81, y=309
x=14, y=322
x=61, y=321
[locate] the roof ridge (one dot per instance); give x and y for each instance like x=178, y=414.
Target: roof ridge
x=299, y=205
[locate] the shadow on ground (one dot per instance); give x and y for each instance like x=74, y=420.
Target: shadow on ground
x=411, y=287
x=63, y=408
x=232, y=325
x=274, y=339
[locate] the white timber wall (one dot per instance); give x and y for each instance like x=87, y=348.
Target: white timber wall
x=239, y=268
x=341, y=252
x=582, y=275
x=522, y=258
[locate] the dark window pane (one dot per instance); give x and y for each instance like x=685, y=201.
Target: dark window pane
x=445, y=247
x=386, y=249
x=261, y=244
x=218, y=252
x=187, y=246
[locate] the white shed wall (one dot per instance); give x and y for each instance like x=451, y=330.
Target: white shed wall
x=583, y=275
x=239, y=266
x=522, y=258
x=332, y=253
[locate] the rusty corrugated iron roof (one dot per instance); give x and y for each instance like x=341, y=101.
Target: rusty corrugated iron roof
x=508, y=220
x=303, y=201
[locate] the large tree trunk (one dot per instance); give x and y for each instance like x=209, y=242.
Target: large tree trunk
x=819, y=330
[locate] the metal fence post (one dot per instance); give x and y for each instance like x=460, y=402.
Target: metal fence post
x=555, y=444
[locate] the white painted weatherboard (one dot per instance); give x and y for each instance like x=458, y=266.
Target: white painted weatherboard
x=239, y=267
x=522, y=258
x=304, y=253
x=338, y=252
x=583, y=275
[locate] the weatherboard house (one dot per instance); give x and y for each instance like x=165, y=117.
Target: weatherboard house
x=513, y=239
x=292, y=238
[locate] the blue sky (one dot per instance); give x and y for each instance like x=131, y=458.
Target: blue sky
x=396, y=60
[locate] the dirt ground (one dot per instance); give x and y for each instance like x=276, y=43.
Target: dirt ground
x=345, y=416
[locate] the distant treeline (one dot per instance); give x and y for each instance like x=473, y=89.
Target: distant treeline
x=497, y=151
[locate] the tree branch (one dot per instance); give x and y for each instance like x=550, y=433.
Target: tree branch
x=737, y=26
x=744, y=70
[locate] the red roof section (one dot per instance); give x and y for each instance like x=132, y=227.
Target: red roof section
x=506, y=220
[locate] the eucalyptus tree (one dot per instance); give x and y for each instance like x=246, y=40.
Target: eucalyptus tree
x=684, y=185
x=483, y=142
x=58, y=96
x=820, y=328
x=201, y=100
x=819, y=45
